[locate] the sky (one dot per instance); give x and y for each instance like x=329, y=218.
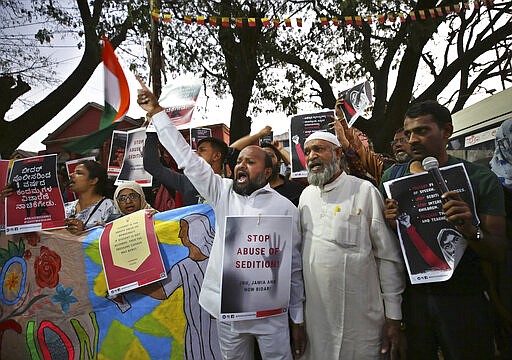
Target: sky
x=209, y=108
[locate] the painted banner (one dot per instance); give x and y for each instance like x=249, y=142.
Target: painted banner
x=301, y=126
x=356, y=101
x=54, y=304
x=431, y=245
x=130, y=254
x=133, y=164
x=4, y=169
x=256, y=267
x=116, y=154
x=37, y=201
x=198, y=134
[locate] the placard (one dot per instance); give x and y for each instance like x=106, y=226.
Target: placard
x=117, y=151
x=133, y=163
x=267, y=138
x=256, y=267
x=431, y=245
x=301, y=126
x=37, y=201
x=198, y=134
x=356, y=101
x=130, y=254
x=4, y=169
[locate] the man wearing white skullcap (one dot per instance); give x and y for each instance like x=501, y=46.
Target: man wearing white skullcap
x=352, y=267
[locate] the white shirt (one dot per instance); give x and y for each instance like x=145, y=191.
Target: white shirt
x=225, y=201
x=353, y=271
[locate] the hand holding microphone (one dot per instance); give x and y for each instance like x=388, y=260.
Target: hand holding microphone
x=458, y=208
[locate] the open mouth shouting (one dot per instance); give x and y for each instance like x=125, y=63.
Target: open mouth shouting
x=242, y=177
x=315, y=166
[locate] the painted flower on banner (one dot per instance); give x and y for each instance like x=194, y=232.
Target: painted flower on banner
x=33, y=238
x=46, y=267
x=63, y=297
x=12, y=281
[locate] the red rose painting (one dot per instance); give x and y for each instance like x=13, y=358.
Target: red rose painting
x=46, y=267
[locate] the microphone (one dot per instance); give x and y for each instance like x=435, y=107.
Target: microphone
x=432, y=166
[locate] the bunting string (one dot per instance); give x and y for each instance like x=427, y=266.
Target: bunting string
x=353, y=20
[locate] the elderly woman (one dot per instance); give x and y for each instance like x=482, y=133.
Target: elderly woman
x=88, y=181
x=129, y=198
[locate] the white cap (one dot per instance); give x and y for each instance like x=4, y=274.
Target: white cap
x=323, y=135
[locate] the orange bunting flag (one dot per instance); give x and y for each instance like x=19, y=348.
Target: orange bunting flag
x=369, y=19
x=251, y=22
x=212, y=20
x=401, y=16
x=265, y=21
x=167, y=18
x=466, y=5
x=288, y=22
x=200, y=20
x=323, y=21
x=335, y=21
x=275, y=21
x=432, y=13
x=381, y=18
x=359, y=20
x=187, y=20
x=299, y=22
x=412, y=15
x=239, y=23
x=422, y=14
x=225, y=21
x=456, y=7
x=348, y=20
x=391, y=17
x=155, y=14
x=476, y=4
x=448, y=9
x=439, y=12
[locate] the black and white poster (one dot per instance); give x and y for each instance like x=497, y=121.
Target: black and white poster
x=256, y=267
x=431, y=245
x=356, y=101
x=301, y=126
x=133, y=164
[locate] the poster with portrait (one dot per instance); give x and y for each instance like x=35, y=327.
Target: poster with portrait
x=37, y=201
x=198, y=134
x=356, y=101
x=256, y=267
x=129, y=253
x=133, y=163
x=179, y=99
x=4, y=169
x=116, y=154
x=301, y=126
x=431, y=245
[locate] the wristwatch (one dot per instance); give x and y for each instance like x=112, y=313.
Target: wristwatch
x=479, y=236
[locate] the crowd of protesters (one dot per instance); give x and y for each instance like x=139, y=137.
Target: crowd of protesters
x=350, y=297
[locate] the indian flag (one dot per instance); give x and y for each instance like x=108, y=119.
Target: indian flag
x=117, y=93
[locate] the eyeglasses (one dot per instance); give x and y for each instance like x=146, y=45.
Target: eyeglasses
x=401, y=140
x=124, y=198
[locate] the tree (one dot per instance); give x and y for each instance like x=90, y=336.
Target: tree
x=401, y=52
x=92, y=20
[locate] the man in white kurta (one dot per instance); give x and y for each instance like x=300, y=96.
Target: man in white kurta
x=352, y=267
x=235, y=337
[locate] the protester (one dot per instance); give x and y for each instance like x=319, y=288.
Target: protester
x=455, y=314
x=212, y=150
x=289, y=189
x=129, y=198
x=353, y=271
x=401, y=147
x=249, y=194
x=88, y=181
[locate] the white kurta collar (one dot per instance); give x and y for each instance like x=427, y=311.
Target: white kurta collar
x=334, y=184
